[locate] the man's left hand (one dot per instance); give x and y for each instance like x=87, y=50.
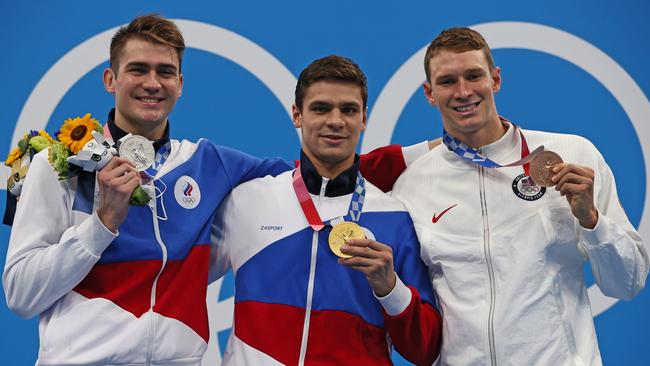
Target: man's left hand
x=375, y=260
x=576, y=183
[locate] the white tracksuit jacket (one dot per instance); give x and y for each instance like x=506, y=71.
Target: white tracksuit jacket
x=509, y=271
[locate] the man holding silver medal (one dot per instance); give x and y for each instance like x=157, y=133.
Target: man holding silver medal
x=506, y=225
x=327, y=267
x=113, y=283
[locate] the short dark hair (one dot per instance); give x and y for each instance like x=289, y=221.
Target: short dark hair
x=152, y=28
x=457, y=40
x=331, y=68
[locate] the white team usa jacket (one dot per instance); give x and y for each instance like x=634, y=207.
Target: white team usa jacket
x=506, y=259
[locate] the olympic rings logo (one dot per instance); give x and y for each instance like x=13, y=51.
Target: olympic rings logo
x=187, y=192
x=530, y=190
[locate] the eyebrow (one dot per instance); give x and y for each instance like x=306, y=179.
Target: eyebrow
x=144, y=64
x=451, y=75
x=329, y=103
x=476, y=69
x=351, y=104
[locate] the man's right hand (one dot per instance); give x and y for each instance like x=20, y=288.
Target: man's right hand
x=116, y=182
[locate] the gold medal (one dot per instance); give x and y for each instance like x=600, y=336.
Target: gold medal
x=541, y=168
x=343, y=232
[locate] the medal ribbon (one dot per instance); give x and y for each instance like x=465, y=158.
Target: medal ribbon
x=308, y=208
x=472, y=155
x=161, y=156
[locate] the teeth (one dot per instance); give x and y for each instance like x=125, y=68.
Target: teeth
x=465, y=108
x=149, y=100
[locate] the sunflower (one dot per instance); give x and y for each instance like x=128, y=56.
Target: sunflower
x=14, y=155
x=76, y=132
x=46, y=135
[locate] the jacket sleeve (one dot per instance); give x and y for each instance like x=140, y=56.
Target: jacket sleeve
x=48, y=255
x=241, y=167
x=410, y=317
x=384, y=165
x=221, y=238
x=619, y=261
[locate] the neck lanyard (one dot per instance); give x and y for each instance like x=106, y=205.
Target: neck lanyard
x=472, y=155
x=308, y=208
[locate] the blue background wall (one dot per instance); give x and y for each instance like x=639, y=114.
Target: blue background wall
x=231, y=101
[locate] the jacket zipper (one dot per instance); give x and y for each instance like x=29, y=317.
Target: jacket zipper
x=310, y=283
x=152, y=300
x=490, y=267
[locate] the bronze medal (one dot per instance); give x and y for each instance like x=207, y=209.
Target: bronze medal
x=541, y=168
x=343, y=232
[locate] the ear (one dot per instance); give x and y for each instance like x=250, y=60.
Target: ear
x=180, y=85
x=109, y=80
x=428, y=93
x=495, y=74
x=296, y=116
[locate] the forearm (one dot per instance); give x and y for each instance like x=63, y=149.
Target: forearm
x=619, y=261
x=416, y=331
x=48, y=253
x=38, y=273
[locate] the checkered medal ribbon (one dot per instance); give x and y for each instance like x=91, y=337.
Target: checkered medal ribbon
x=472, y=155
x=356, y=205
x=466, y=152
x=160, y=158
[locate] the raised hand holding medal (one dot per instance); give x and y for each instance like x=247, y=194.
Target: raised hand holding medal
x=354, y=245
x=546, y=169
x=575, y=182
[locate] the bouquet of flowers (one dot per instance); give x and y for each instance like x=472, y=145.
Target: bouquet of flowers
x=79, y=145
x=21, y=156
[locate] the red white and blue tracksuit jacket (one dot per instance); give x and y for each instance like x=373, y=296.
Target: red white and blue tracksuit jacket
x=133, y=298
x=294, y=303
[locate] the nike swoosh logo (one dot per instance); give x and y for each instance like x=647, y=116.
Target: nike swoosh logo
x=436, y=218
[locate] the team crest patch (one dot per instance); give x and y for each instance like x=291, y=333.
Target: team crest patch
x=187, y=192
x=526, y=189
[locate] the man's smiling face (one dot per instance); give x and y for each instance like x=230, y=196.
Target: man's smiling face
x=146, y=85
x=462, y=86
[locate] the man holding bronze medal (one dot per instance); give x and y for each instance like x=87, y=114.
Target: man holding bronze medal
x=113, y=283
x=327, y=267
x=506, y=218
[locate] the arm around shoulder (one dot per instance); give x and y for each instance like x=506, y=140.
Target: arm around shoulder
x=382, y=166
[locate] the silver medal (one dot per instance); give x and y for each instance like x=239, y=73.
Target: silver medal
x=137, y=149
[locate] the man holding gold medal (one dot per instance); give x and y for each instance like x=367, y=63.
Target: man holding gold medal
x=507, y=217
x=327, y=267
